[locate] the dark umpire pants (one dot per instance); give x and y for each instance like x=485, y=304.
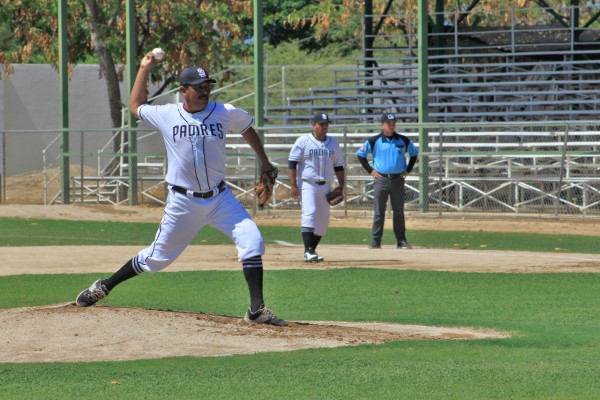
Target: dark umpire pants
x=392, y=187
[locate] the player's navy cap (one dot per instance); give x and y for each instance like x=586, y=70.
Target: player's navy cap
x=194, y=75
x=320, y=118
x=388, y=117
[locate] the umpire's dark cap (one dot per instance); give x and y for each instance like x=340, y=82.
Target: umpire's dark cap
x=320, y=118
x=388, y=117
x=194, y=75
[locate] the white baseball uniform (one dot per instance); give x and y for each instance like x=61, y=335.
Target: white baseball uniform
x=195, y=144
x=315, y=175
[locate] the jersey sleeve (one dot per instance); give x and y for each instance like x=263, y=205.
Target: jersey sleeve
x=238, y=120
x=412, y=149
x=297, y=150
x=364, y=150
x=151, y=114
x=338, y=156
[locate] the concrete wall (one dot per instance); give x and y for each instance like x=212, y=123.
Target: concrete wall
x=29, y=101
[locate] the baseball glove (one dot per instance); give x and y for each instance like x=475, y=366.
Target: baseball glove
x=264, y=189
x=336, y=196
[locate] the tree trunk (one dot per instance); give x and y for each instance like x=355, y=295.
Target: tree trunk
x=109, y=71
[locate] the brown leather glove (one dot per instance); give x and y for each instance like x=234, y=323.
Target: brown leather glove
x=264, y=189
x=336, y=196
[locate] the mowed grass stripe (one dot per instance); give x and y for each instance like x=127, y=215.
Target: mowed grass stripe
x=41, y=232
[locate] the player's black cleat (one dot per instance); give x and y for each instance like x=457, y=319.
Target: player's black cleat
x=403, y=244
x=375, y=245
x=92, y=295
x=263, y=316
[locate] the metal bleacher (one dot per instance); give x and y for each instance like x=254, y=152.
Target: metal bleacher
x=472, y=93
x=516, y=72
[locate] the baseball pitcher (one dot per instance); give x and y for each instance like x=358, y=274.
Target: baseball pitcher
x=194, y=134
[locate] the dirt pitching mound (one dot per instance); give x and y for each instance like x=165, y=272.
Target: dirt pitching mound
x=67, y=333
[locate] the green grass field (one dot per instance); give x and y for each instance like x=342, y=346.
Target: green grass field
x=554, y=352
x=39, y=232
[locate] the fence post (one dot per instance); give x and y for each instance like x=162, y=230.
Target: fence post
x=131, y=49
x=441, y=169
x=64, y=100
x=81, y=166
x=3, y=175
x=562, y=169
x=345, y=135
x=423, y=105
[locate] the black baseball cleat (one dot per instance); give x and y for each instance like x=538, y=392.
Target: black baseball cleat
x=375, y=245
x=263, y=316
x=403, y=244
x=92, y=295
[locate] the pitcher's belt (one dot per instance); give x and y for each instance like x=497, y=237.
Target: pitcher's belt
x=203, y=195
x=320, y=183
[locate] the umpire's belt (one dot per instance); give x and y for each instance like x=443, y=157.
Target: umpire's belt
x=203, y=195
x=391, y=176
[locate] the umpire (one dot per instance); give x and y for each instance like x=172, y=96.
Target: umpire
x=389, y=150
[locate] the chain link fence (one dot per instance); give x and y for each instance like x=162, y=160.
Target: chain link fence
x=542, y=168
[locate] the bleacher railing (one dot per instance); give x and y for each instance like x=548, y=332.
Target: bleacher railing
x=544, y=168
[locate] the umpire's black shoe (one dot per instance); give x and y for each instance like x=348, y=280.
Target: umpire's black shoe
x=92, y=295
x=263, y=316
x=403, y=244
x=375, y=245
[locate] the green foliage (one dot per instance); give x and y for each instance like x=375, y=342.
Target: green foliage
x=189, y=31
x=31, y=31
x=332, y=25
x=7, y=40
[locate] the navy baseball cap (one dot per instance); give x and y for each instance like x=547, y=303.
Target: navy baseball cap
x=320, y=118
x=194, y=75
x=388, y=117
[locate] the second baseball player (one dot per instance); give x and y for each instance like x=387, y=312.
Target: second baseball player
x=313, y=161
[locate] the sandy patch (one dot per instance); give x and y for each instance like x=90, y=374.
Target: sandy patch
x=107, y=259
x=66, y=332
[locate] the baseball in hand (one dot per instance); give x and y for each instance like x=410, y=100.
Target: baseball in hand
x=158, y=54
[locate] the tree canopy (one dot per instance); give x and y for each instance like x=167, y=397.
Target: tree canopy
x=214, y=33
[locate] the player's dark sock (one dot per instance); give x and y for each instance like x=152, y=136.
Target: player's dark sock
x=316, y=240
x=308, y=238
x=124, y=273
x=254, y=278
